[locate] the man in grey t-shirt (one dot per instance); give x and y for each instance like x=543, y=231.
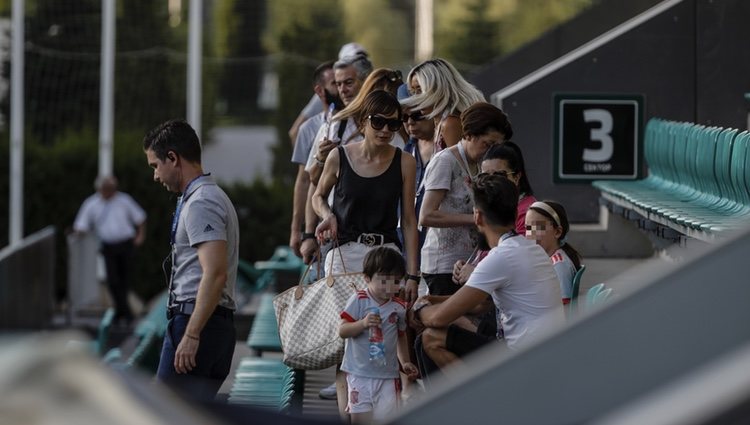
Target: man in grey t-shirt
x=199, y=344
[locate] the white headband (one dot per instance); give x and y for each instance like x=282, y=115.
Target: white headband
x=549, y=210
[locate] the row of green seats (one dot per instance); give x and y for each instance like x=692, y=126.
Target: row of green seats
x=264, y=334
x=251, y=280
x=698, y=182
x=150, y=332
x=266, y=383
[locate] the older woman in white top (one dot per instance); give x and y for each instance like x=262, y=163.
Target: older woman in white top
x=447, y=208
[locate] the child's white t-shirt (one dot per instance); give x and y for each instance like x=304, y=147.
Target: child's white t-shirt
x=357, y=351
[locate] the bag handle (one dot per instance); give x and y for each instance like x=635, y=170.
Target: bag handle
x=299, y=291
x=315, y=259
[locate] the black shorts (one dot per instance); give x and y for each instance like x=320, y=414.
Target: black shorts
x=461, y=342
x=440, y=284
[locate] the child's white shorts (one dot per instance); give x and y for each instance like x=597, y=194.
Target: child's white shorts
x=379, y=396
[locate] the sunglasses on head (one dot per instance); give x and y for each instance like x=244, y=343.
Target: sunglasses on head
x=378, y=122
x=394, y=76
x=414, y=116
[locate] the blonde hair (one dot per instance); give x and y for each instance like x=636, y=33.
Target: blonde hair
x=443, y=89
x=379, y=79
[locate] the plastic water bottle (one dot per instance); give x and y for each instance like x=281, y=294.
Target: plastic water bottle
x=377, y=347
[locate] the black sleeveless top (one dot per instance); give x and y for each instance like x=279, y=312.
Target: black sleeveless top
x=367, y=204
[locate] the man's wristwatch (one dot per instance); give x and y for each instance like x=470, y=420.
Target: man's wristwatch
x=306, y=236
x=418, y=308
x=413, y=277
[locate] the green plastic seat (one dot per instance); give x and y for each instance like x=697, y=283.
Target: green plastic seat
x=577, y=282
x=102, y=333
x=573, y=306
x=265, y=383
x=592, y=293
x=252, y=280
x=603, y=296
x=264, y=334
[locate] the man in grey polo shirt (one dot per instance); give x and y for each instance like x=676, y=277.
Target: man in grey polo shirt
x=199, y=343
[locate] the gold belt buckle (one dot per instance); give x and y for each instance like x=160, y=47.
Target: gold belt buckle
x=368, y=239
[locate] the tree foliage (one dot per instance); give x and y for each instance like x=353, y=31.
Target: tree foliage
x=237, y=29
x=476, y=37
x=384, y=27
x=306, y=34
x=474, y=32
x=63, y=46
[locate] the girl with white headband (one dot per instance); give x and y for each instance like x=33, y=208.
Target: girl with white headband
x=547, y=223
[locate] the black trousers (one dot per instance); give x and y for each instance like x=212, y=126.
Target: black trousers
x=118, y=259
x=440, y=283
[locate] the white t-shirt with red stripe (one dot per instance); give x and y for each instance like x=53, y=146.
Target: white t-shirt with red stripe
x=357, y=351
x=565, y=270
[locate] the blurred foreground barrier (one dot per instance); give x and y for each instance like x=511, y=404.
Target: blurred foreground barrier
x=27, y=282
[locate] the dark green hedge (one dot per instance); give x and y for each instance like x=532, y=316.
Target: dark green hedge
x=59, y=177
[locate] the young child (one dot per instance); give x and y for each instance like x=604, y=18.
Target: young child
x=547, y=222
x=374, y=385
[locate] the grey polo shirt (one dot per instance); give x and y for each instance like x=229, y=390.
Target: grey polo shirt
x=207, y=215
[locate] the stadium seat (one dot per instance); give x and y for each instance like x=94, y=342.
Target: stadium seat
x=264, y=334
x=266, y=383
x=603, y=296
x=592, y=293
x=697, y=182
x=577, y=282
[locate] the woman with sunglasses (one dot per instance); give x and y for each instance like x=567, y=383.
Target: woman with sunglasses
x=379, y=79
x=421, y=131
x=507, y=160
x=372, y=180
x=439, y=90
x=447, y=208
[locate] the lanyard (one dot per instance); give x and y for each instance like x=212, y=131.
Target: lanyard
x=465, y=162
x=180, y=202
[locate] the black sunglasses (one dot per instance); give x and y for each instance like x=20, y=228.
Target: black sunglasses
x=501, y=173
x=378, y=123
x=415, y=116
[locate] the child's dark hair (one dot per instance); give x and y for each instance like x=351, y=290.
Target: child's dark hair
x=511, y=153
x=385, y=261
x=564, y=226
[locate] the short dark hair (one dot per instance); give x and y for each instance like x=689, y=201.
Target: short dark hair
x=174, y=135
x=511, y=153
x=320, y=70
x=384, y=260
x=378, y=102
x=497, y=198
x=482, y=117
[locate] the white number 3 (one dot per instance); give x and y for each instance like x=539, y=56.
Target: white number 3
x=601, y=134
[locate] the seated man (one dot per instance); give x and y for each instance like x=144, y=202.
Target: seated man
x=516, y=273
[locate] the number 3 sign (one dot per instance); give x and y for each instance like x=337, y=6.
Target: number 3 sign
x=597, y=137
